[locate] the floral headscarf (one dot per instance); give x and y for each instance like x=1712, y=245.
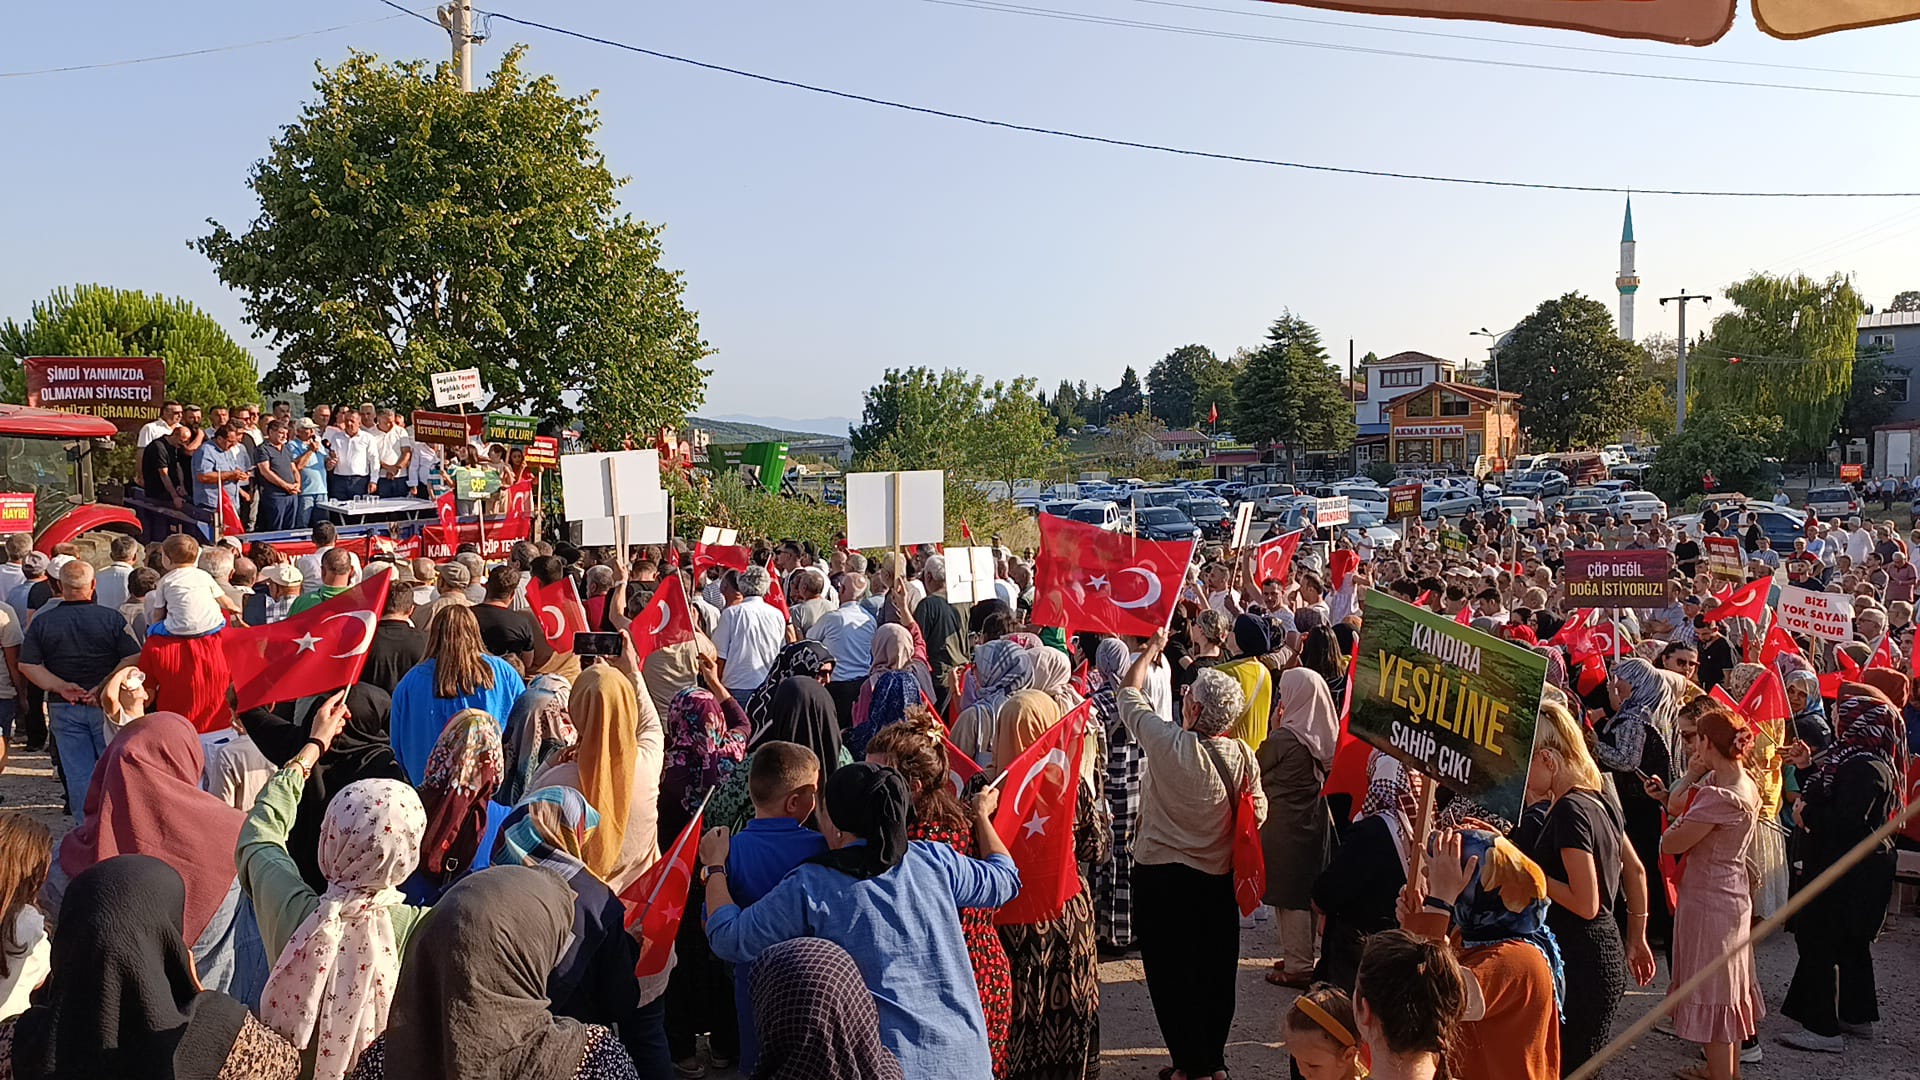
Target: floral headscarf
x=462, y=774
x=1869, y=728
x=893, y=692
x=1506, y=901
x=548, y=829
x=538, y=727
x=1390, y=795
x=702, y=749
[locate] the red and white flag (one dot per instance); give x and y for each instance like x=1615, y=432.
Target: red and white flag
x=1273, y=559
x=776, y=593
x=732, y=556
x=1088, y=579
x=1348, y=774
x=230, y=523
x=1882, y=653
x=448, y=510
x=960, y=768
x=1039, y=796
x=1749, y=602
x=1777, y=644
x=559, y=610
x=1213, y=413
x=317, y=651
x=657, y=899
x=1465, y=615
x=666, y=620
x=1765, y=702
x=520, y=501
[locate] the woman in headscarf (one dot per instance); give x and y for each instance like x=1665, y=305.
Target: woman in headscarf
x=1001, y=668
x=894, y=692
x=538, y=728
x=1055, y=968
x=706, y=742
x=593, y=981
x=1053, y=676
x=339, y=951
x=893, y=651
x=1252, y=641
x=472, y=995
x=359, y=752
x=1297, y=837
x=815, y=1017
x=457, y=675
x=916, y=749
x=873, y=894
x=122, y=999
x=463, y=772
x=1636, y=741
x=801, y=659
x=803, y=713
x=1358, y=889
x=1113, y=876
x=1808, y=707
x=1850, y=790
x=144, y=799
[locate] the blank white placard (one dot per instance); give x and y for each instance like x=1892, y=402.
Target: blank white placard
x=587, y=481
x=870, y=509
x=649, y=526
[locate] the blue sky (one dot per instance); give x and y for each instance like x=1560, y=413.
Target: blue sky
x=824, y=241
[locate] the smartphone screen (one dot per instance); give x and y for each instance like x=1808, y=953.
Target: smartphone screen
x=586, y=643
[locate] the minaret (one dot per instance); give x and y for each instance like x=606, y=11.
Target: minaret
x=1628, y=282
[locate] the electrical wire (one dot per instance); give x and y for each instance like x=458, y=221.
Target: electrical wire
x=1481, y=61
x=209, y=51
x=405, y=10
x=1210, y=155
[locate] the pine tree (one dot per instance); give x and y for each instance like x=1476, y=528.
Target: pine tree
x=1290, y=396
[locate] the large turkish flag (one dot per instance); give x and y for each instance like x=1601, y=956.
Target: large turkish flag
x=321, y=649
x=1089, y=579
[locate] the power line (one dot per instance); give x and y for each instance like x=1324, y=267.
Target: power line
x=1521, y=65
x=209, y=51
x=1135, y=144
x=403, y=9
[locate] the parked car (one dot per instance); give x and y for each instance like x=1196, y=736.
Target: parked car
x=1438, y=501
x=1545, y=483
x=1057, y=507
x=1163, y=523
x=1100, y=513
x=1366, y=497
x=1211, y=514
x=1165, y=496
x=1636, y=506
x=1830, y=502
x=1609, y=488
x=1268, y=499
x=1373, y=528
x=1519, y=509
x=1581, y=502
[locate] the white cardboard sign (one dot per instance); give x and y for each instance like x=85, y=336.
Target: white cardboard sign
x=1824, y=615
x=714, y=536
x=457, y=387
x=969, y=574
x=647, y=526
x=1332, y=511
x=1242, y=524
x=871, y=514
x=588, y=483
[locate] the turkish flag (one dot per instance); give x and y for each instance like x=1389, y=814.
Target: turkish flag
x=733, y=556
x=658, y=898
x=776, y=594
x=1089, y=579
x=448, y=509
x=1273, y=558
x=1348, y=774
x=1039, y=796
x=1465, y=615
x=1778, y=643
x=960, y=768
x=1576, y=634
x=559, y=610
x=666, y=620
x=230, y=524
x=1213, y=413
x=319, y=650
x=520, y=502
x=1747, y=602
x=1765, y=702
x=1882, y=653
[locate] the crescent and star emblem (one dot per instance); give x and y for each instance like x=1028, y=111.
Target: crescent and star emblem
x=1147, y=599
x=367, y=621
x=559, y=621
x=1055, y=756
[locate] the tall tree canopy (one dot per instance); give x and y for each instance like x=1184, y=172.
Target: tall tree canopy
x=1288, y=395
x=1127, y=398
x=920, y=419
x=1578, y=382
x=1730, y=444
x=406, y=227
x=1906, y=300
x=1174, y=384
x=1787, y=350
x=205, y=366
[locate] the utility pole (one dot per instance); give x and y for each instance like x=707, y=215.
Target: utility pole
x=1680, y=379
x=457, y=17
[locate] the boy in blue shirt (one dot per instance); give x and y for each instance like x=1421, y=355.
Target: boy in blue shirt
x=784, y=784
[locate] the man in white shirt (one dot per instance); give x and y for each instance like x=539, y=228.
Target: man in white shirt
x=12, y=632
x=170, y=415
x=750, y=635
x=805, y=604
x=324, y=537
x=396, y=455
x=423, y=466
x=110, y=585
x=847, y=632
x=1859, y=541
x=353, y=456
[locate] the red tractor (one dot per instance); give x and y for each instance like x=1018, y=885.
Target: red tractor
x=49, y=454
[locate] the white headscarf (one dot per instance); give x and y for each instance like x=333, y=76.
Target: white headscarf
x=1307, y=710
x=336, y=977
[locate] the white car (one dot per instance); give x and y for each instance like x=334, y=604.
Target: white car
x=1520, y=510
x=1359, y=497
x=1436, y=502
x=1636, y=506
x=1607, y=489
x=1100, y=514
x=1832, y=502
x=1268, y=499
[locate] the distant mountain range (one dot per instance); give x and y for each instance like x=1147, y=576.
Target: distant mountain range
x=738, y=427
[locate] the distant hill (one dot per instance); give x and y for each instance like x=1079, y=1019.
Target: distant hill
x=733, y=431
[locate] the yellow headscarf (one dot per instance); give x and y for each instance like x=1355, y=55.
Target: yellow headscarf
x=606, y=713
x=1025, y=717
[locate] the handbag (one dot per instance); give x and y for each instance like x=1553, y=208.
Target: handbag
x=1249, y=858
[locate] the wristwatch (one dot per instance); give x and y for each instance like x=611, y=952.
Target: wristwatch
x=709, y=871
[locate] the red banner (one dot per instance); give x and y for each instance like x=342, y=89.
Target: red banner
x=500, y=538
x=126, y=390
x=16, y=512
x=447, y=429
x=543, y=452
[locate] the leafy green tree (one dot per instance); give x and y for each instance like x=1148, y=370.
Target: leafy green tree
x=204, y=365
x=1908, y=300
x=1011, y=435
x=1066, y=406
x=1132, y=444
x=1127, y=398
x=1787, y=350
x=1289, y=395
x=1870, y=400
x=1576, y=379
x=1213, y=388
x=1732, y=445
x=1174, y=384
x=920, y=419
x=406, y=227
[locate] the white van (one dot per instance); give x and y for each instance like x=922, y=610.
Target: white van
x=1099, y=513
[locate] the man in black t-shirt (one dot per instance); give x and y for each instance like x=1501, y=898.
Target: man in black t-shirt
x=506, y=633
x=164, y=476
x=1686, y=556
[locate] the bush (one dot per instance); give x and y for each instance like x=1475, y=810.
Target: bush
x=1381, y=472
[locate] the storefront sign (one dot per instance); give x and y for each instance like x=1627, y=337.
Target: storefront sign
x=543, y=452
x=1333, y=511
x=510, y=429
x=457, y=387
x=1403, y=501
x=1851, y=474
x=126, y=390
x=447, y=429
x=1457, y=704
x=1723, y=557
x=1817, y=614
x=1636, y=579
x=16, y=512
x=1430, y=431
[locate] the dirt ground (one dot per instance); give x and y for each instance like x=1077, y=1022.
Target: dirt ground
x=1131, y=1040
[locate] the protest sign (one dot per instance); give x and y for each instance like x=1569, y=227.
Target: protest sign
x=543, y=452
x=446, y=429
x=510, y=429
x=1448, y=700
x=714, y=536
x=1817, y=614
x=1634, y=579
x=1331, y=511
x=456, y=387
x=16, y=512
x=604, y=485
x=969, y=574
x=1454, y=541
x=647, y=524
x=886, y=509
x=1852, y=474
x=1242, y=524
x=1723, y=557
x=126, y=390
x=1403, y=501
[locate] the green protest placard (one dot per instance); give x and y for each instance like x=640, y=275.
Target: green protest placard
x=1455, y=541
x=1448, y=700
x=507, y=428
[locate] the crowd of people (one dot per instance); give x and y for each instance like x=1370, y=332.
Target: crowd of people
x=429, y=872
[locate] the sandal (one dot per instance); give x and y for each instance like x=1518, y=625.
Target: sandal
x=1279, y=977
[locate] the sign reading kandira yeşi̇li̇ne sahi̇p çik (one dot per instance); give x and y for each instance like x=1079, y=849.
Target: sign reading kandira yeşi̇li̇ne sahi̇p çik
x=1457, y=704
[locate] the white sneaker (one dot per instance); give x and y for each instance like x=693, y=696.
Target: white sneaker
x=1749, y=1055
x=1819, y=1044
